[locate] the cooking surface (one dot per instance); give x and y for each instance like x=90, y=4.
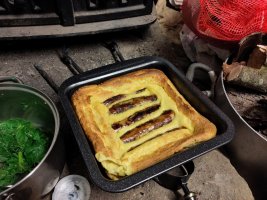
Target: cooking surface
x=214, y=176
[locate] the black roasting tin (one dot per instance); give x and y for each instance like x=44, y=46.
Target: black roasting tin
x=225, y=127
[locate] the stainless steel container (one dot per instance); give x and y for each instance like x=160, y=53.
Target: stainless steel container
x=21, y=101
x=248, y=149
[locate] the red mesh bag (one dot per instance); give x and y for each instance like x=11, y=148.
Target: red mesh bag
x=227, y=20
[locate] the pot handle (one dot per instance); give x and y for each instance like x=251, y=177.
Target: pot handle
x=178, y=179
x=13, y=79
x=10, y=197
x=175, y=5
x=191, y=73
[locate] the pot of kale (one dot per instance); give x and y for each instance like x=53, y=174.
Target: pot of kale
x=31, y=150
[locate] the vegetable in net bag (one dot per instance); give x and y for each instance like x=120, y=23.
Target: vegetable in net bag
x=227, y=20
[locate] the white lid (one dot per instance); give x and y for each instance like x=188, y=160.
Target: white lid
x=72, y=187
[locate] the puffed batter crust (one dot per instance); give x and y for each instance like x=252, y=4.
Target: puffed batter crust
x=137, y=120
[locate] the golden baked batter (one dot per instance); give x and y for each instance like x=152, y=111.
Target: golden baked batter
x=137, y=120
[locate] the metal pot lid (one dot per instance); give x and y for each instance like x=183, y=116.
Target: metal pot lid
x=72, y=187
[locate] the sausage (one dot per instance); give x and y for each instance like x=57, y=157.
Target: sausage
x=165, y=118
x=131, y=103
x=139, y=91
x=135, y=117
x=113, y=99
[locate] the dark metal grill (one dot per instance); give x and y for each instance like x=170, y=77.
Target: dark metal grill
x=100, y=4
x=26, y=6
x=69, y=12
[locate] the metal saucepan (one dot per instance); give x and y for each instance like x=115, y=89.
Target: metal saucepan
x=21, y=101
x=248, y=150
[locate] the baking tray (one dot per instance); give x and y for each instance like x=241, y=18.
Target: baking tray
x=195, y=97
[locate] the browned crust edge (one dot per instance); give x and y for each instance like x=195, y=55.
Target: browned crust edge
x=203, y=128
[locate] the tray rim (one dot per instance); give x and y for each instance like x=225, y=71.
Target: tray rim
x=112, y=70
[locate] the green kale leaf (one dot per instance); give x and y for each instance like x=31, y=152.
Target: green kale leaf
x=22, y=147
